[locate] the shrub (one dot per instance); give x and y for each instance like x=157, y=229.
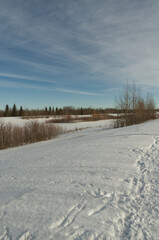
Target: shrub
x=12, y=136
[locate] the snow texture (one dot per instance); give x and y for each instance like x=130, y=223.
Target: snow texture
x=95, y=184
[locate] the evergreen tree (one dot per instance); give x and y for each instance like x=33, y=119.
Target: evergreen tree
x=14, y=111
x=46, y=111
x=50, y=110
x=81, y=111
x=21, y=111
x=57, y=111
x=6, y=112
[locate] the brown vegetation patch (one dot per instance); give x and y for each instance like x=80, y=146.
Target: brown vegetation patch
x=71, y=119
x=133, y=107
x=12, y=136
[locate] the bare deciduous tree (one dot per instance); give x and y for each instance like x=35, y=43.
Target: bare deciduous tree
x=133, y=107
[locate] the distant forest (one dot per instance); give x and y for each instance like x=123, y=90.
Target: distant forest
x=46, y=111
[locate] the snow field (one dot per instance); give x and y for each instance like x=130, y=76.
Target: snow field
x=93, y=184
x=66, y=126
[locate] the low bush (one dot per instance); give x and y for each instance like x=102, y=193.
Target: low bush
x=71, y=119
x=12, y=136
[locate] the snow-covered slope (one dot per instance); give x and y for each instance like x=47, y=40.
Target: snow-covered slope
x=92, y=184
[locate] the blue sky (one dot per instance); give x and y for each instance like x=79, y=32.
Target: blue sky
x=77, y=52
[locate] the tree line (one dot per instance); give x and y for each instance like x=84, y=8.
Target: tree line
x=46, y=111
x=131, y=106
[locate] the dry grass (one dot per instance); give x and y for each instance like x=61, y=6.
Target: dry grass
x=34, y=117
x=71, y=119
x=12, y=136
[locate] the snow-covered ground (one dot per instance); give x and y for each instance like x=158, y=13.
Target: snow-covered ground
x=19, y=121
x=93, y=184
x=66, y=126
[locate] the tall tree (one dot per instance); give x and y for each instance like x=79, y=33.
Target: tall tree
x=50, y=110
x=21, y=111
x=14, y=111
x=6, y=112
x=46, y=111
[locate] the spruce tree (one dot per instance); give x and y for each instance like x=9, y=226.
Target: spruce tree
x=14, y=111
x=21, y=111
x=50, y=110
x=6, y=112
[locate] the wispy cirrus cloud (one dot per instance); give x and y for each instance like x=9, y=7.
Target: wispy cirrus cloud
x=12, y=84
x=23, y=77
x=77, y=44
x=78, y=92
x=109, y=37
